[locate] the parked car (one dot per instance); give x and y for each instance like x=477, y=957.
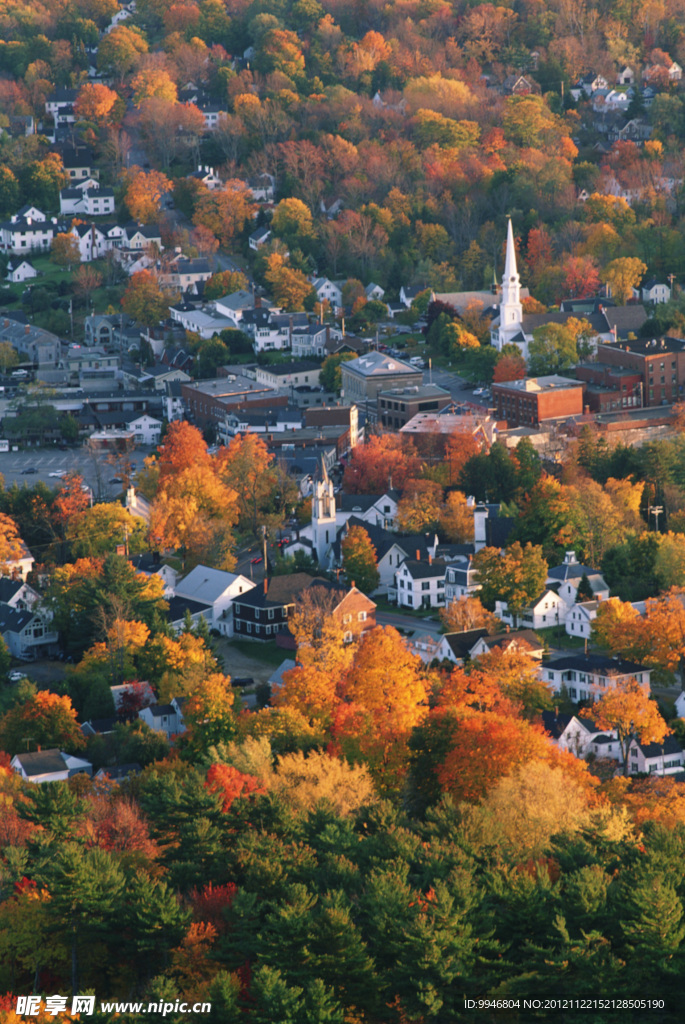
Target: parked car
x=256, y=561
x=29, y=471
x=15, y=675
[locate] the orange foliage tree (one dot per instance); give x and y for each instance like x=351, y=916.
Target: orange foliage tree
x=629, y=710
x=383, y=462
x=145, y=300
x=144, y=194
x=45, y=719
x=468, y=613
x=94, y=102
x=309, y=690
x=485, y=747
x=225, y=211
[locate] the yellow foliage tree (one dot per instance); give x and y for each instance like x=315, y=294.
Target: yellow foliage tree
x=629, y=710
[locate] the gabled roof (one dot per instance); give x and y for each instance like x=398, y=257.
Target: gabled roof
x=595, y=663
x=281, y=590
x=573, y=571
x=522, y=638
x=159, y=710
x=205, y=585
x=46, y=762
x=424, y=570
x=461, y=643
x=13, y=620
x=178, y=606
x=670, y=745
x=555, y=724
x=9, y=588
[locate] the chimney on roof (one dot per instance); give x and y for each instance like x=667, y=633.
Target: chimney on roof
x=430, y=558
x=352, y=584
x=418, y=555
x=27, y=329
x=266, y=585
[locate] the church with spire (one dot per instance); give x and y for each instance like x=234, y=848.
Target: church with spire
x=507, y=328
x=514, y=327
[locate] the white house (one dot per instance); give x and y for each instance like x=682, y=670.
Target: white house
x=652, y=290
x=28, y=634
x=92, y=242
x=216, y=589
x=420, y=584
x=374, y=292
x=166, y=718
x=625, y=76
x=664, y=758
x=549, y=609
x=522, y=641
x=88, y=199
x=208, y=176
x=588, y=676
x=567, y=578
x=407, y=295
x=140, y=236
x=455, y=647
x=232, y=306
x=580, y=736
x=377, y=510
x=27, y=231
x=151, y=565
x=580, y=617
x=461, y=580
x=49, y=766
x=327, y=290
x=20, y=270
x=259, y=238
x=146, y=428
x=17, y=594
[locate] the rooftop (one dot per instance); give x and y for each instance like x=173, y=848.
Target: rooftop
x=376, y=364
x=538, y=384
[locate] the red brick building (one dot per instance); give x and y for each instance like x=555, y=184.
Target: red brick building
x=529, y=402
x=659, y=363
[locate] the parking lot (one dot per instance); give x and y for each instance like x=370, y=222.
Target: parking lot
x=47, y=464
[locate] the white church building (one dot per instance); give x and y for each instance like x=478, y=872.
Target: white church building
x=609, y=323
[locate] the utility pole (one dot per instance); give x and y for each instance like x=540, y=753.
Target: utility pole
x=656, y=511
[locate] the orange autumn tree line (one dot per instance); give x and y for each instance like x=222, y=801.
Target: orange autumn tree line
x=656, y=639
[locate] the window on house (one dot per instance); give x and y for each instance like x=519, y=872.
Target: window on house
x=249, y=627
x=346, y=619
x=347, y=638
x=361, y=617
x=410, y=600
x=271, y=613
x=425, y=586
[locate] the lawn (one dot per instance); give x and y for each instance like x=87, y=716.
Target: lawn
x=269, y=653
x=556, y=636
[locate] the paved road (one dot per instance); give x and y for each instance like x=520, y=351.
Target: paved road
x=409, y=623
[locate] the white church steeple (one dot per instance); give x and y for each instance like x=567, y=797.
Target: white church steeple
x=323, y=515
x=510, y=310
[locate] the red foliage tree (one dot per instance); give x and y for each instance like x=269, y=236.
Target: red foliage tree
x=208, y=904
x=383, y=462
x=231, y=784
